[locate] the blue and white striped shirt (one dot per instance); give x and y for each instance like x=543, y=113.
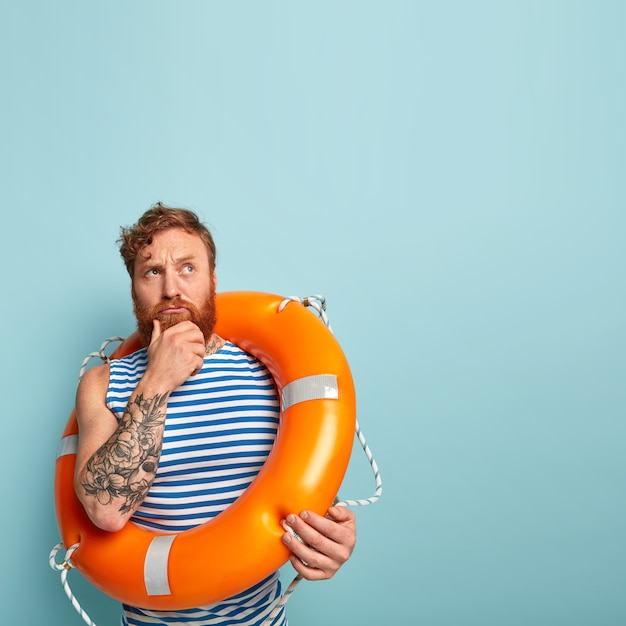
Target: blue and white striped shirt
x=220, y=428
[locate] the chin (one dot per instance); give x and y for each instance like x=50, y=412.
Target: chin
x=167, y=321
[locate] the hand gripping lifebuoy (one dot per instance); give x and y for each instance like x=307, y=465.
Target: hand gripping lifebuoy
x=304, y=470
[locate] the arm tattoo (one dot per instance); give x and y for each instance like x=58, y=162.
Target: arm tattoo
x=125, y=466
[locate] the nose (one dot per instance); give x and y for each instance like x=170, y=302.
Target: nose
x=170, y=285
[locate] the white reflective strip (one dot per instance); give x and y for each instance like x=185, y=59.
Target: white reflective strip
x=155, y=566
x=68, y=445
x=316, y=387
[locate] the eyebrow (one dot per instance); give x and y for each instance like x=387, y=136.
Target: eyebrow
x=149, y=263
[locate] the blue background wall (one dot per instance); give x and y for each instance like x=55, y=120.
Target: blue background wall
x=450, y=175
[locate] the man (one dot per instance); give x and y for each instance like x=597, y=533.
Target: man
x=144, y=456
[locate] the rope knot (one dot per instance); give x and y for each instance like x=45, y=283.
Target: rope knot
x=67, y=563
x=316, y=302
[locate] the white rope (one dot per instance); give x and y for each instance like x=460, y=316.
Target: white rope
x=100, y=354
x=318, y=303
x=283, y=600
x=64, y=567
x=67, y=563
x=375, y=471
x=347, y=503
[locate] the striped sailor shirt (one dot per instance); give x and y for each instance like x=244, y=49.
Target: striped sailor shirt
x=220, y=427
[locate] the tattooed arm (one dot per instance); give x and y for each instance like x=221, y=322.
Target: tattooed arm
x=117, y=462
x=113, y=478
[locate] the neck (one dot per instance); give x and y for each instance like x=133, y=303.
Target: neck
x=214, y=343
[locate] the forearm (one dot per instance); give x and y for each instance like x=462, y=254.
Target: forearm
x=116, y=478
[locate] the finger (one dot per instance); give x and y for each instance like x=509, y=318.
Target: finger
x=188, y=335
x=341, y=513
x=309, y=527
x=199, y=365
x=309, y=563
x=156, y=331
x=307, y=571
x=190, y=332
x=338, y=527
x=324, y=543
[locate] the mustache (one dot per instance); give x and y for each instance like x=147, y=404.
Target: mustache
x=154, y=312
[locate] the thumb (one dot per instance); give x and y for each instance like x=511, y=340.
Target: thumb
x=156, y=331
x=341, y=514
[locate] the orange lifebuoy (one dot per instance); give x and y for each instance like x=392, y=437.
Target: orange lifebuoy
x=305, y=468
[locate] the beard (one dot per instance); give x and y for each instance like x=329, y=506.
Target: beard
x=205, y=316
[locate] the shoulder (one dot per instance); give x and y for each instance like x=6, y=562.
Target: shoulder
x=233, y=350
x=137, y=358
x=232, y=353
x=94, y=380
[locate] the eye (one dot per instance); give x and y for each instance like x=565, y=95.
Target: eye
x=153, y=271
x=188, y=269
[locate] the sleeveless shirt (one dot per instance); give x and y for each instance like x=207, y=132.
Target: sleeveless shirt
x=220, y=427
